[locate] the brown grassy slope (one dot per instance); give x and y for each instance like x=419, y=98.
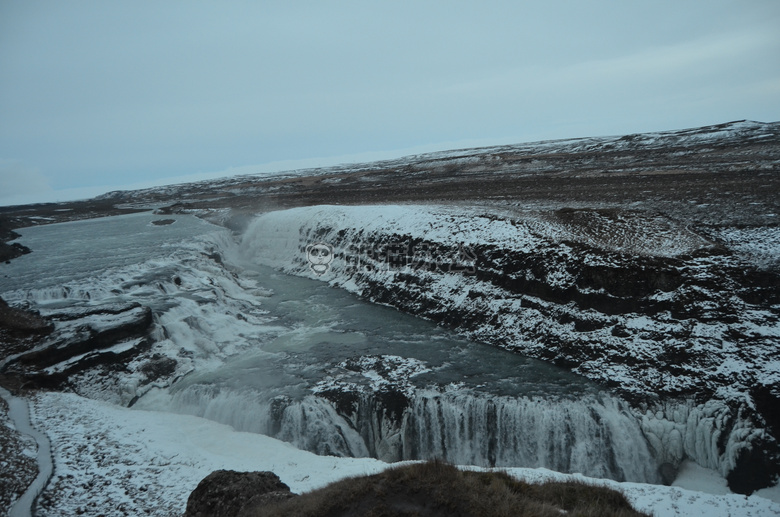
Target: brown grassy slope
x=435, y=489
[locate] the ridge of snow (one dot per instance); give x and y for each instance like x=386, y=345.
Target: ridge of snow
x=650, y=140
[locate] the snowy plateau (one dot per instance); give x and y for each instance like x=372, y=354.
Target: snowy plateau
x=605, y=309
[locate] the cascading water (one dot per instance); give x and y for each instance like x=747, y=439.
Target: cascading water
x=311, y=424
x=353, y=379
x=594, y=436
x=348, y=378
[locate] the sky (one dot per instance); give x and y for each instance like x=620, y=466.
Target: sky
x=98, y=96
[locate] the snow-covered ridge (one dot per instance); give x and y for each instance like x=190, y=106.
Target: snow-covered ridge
x=679, y=140
x=636, y=302
x=519, y=231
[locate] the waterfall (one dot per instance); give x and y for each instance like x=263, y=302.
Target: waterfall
x=310, y=423
x=593, y=436
x=597, y=437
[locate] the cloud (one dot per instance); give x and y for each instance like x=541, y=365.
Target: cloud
x=101, y=93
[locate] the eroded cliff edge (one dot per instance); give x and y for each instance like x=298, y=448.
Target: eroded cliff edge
x=682, y=323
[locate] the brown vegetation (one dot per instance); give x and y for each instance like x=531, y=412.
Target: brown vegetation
x=436, y=489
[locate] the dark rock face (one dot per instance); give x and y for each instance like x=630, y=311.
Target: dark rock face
x=21, y=321
x=163, y=222
x=158, y=366
x=753, y=469
x=224, y=493
x=80, y=339
x=131, y=321
x=378, y=416
x=12, y=251
x=20, y=330
x=767, y=401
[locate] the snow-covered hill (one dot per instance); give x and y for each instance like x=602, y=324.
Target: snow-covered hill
x=699, y=146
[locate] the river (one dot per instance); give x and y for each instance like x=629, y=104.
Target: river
x=316, y=366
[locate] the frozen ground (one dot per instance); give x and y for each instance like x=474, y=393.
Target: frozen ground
x=146, y=463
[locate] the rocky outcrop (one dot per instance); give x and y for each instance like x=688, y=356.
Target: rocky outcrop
x=22, y=322
x=20, y=330
x=91, y=331
x=224, y=493
x=157, y=367
x=12, y=251
x=83, y=338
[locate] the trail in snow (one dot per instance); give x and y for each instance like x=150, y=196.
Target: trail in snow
x=18, y=412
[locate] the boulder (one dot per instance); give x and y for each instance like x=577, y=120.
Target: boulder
x=224, y=493
x=21, y=321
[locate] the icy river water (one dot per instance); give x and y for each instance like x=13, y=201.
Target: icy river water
x=316, y=366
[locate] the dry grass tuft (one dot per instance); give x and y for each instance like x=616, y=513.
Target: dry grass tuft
x=436, y=489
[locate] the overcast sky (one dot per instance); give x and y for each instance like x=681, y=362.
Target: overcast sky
x=100, y=95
